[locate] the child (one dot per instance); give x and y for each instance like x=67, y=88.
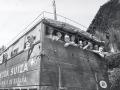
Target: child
x=67, y=40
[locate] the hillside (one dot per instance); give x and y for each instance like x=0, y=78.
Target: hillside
x=106, y=25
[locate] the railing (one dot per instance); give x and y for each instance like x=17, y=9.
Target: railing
x=43, y=15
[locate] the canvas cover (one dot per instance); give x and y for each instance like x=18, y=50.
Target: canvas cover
x=72, y=29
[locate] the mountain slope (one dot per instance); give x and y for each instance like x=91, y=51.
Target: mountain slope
x=106, y=25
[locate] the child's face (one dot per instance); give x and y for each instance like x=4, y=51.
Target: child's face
x=59, y=34
x=100, y=49
x=96, y=47
x=80, y=42
x=50, y=31
x=67, y=39
x=73, y=38
x=91, y=46
x=84, y=43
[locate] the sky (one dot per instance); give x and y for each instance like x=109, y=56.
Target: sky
x=15, y=15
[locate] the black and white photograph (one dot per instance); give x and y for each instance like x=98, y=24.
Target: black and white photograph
x=59, y=44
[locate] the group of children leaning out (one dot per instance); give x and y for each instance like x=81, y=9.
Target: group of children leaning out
x=71, y=40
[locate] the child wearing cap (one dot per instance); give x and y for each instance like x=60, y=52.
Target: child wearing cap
x=57, y=37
